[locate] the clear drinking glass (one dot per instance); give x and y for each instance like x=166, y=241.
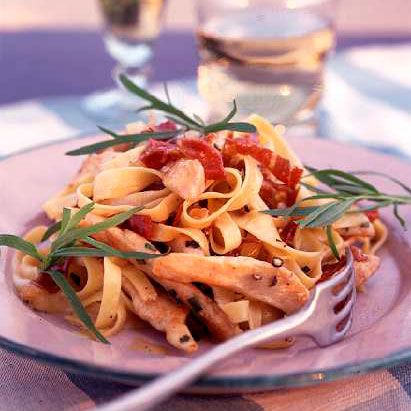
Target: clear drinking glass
x=130, y=28
x=269, y=55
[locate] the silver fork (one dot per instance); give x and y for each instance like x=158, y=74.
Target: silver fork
x=317, y=319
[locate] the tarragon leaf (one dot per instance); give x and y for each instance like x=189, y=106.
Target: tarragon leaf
x=20, y=244
x=313, y=216
x=332, y=177
x=75, y=303
x=377, y=173
x=156, y=102
x=122, y=254
x=77, y=217
x=398, y=216
x=240, y=126
x=331, y=242
x=129, y=138
x=54, y=228
x=327, y=214
x=82, y=232
x=231, y=114
x=109, y=132
x=289, y=212
x=65, y=220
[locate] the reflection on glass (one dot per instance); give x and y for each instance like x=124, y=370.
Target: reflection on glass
x=130, y=28
x=268, y=55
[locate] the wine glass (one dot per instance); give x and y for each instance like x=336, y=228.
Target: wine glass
x=130, y=29
x=269, y=55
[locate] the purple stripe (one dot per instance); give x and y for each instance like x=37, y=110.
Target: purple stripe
x=101, y=392
x=403, y=374
x=44, y=63
x=54, y=63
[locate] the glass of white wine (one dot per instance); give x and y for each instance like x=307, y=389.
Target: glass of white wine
x=130, y=29
x=268, y=55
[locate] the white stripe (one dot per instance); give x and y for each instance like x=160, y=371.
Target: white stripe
x=28, y=124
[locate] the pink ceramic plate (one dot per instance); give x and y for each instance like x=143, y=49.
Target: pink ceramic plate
x=381, y=333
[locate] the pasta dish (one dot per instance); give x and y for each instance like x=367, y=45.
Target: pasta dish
x=198, y=235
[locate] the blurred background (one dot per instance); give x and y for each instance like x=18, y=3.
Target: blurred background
x=52, y=53
x=50, y=48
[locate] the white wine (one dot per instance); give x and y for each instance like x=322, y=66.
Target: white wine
x=270, y=61
x=130, y=28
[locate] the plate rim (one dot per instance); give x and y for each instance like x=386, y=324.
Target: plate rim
x=207, y=383
x=232, y=384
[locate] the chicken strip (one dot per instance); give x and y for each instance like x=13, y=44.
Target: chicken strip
x=125, y=240
x=217, y=321
x=365, y=269
x=255, y=279
x=164, y=315
x=185, y=244
x=41, y=300
x=121, y=239
x=365, y=230
x=185, y=178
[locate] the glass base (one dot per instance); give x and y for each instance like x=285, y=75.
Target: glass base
x=111, y=106
x=116, y=105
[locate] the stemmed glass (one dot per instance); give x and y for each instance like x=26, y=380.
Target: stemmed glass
x=130, y=29
x=269, y=55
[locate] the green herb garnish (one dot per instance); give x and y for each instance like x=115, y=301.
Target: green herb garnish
x=331, y=242
x=68, y=243
x=178, y=116
x=172, y=113
x=120, y=139
x=344, y=190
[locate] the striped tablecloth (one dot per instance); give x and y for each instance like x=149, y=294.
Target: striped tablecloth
x=367, y=101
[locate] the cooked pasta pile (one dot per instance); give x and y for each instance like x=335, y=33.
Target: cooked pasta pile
x=227, y=267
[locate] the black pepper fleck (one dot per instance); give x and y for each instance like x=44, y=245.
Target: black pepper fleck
x=305, y=269
x=185, y=338
x=274, y=281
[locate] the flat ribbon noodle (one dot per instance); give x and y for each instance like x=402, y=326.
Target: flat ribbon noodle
x=25, y=265
x=225, y=235
x=65, y=198
x=165, y=233
x=140, y=282
x=125, y=159
x=119, y=182
x=263, y=227
x=95, y=270
x=111, y=293
x=158, y=209
x=118, y=318
x=234, y=200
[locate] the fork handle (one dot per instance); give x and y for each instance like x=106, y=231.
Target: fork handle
x=158, y=390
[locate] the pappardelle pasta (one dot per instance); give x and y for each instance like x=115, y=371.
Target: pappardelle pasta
x=223, y=265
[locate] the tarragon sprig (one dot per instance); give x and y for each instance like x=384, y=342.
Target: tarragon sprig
x=171, y=112
x=70, y=241
x=178, y=116
x=343, y=190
